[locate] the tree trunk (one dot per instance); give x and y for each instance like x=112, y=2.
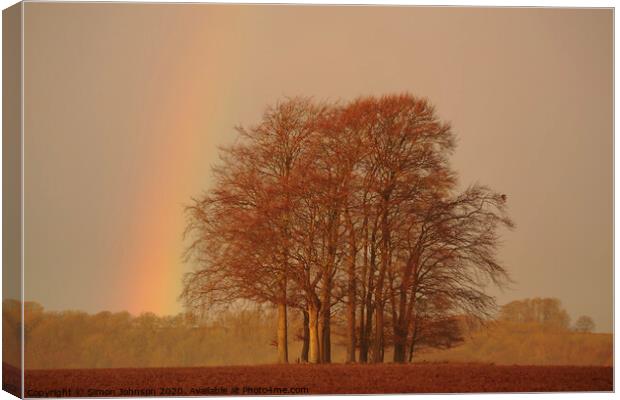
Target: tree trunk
x=326, y=321
x=400, y=344
x=326, y=348
x=401, y=333
x=352, y=294
x=306, y=338
x=321, y=338
x=411, y=346
x=365, y=346
x=351, y=339
x=377, y=348
x=313, y=325
x=326, y=289
x=363, y=338
x=377, y=345
x=411, y=317
x=401, y=318
x=414, y=336
x=282, y=334
x=365, y=343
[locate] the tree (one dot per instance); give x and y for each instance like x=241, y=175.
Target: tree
x=547, y=312
x=449, y=258
x=584, y=324
x=348, y=213
x=241, y=228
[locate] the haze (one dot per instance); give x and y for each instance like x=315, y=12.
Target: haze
x=126, y=105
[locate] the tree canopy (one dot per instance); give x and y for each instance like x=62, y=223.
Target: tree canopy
x=584, y=324
x=347, y=212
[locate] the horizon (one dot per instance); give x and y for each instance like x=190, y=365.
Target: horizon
x=573, y=318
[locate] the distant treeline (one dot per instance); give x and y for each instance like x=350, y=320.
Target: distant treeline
x=75, y=339
x=534, y=331
x=510, y=343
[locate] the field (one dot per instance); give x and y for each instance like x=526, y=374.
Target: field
x=316, y=379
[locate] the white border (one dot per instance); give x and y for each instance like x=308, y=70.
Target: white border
x=475, y=3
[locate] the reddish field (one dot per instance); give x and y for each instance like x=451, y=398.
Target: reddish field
x=321, y=379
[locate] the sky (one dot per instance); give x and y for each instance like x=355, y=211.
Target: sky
x=126, y=105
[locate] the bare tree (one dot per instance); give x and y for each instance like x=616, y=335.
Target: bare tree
x=451, y=254
x=349, y=211
x=407, y=156
x=584, y=324
x=547, y=312
x=241, y=228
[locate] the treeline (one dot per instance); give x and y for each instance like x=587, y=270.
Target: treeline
x=73, y=339
x=531, y=332
x=347, y=214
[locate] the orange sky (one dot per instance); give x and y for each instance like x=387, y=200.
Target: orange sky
x=127, y=103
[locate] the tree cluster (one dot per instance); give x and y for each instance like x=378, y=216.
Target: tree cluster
x=545, y=312
x=75, y=339
x=533, y=331
x=350, y=215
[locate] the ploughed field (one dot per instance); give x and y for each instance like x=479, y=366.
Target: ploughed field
x=316, y=379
